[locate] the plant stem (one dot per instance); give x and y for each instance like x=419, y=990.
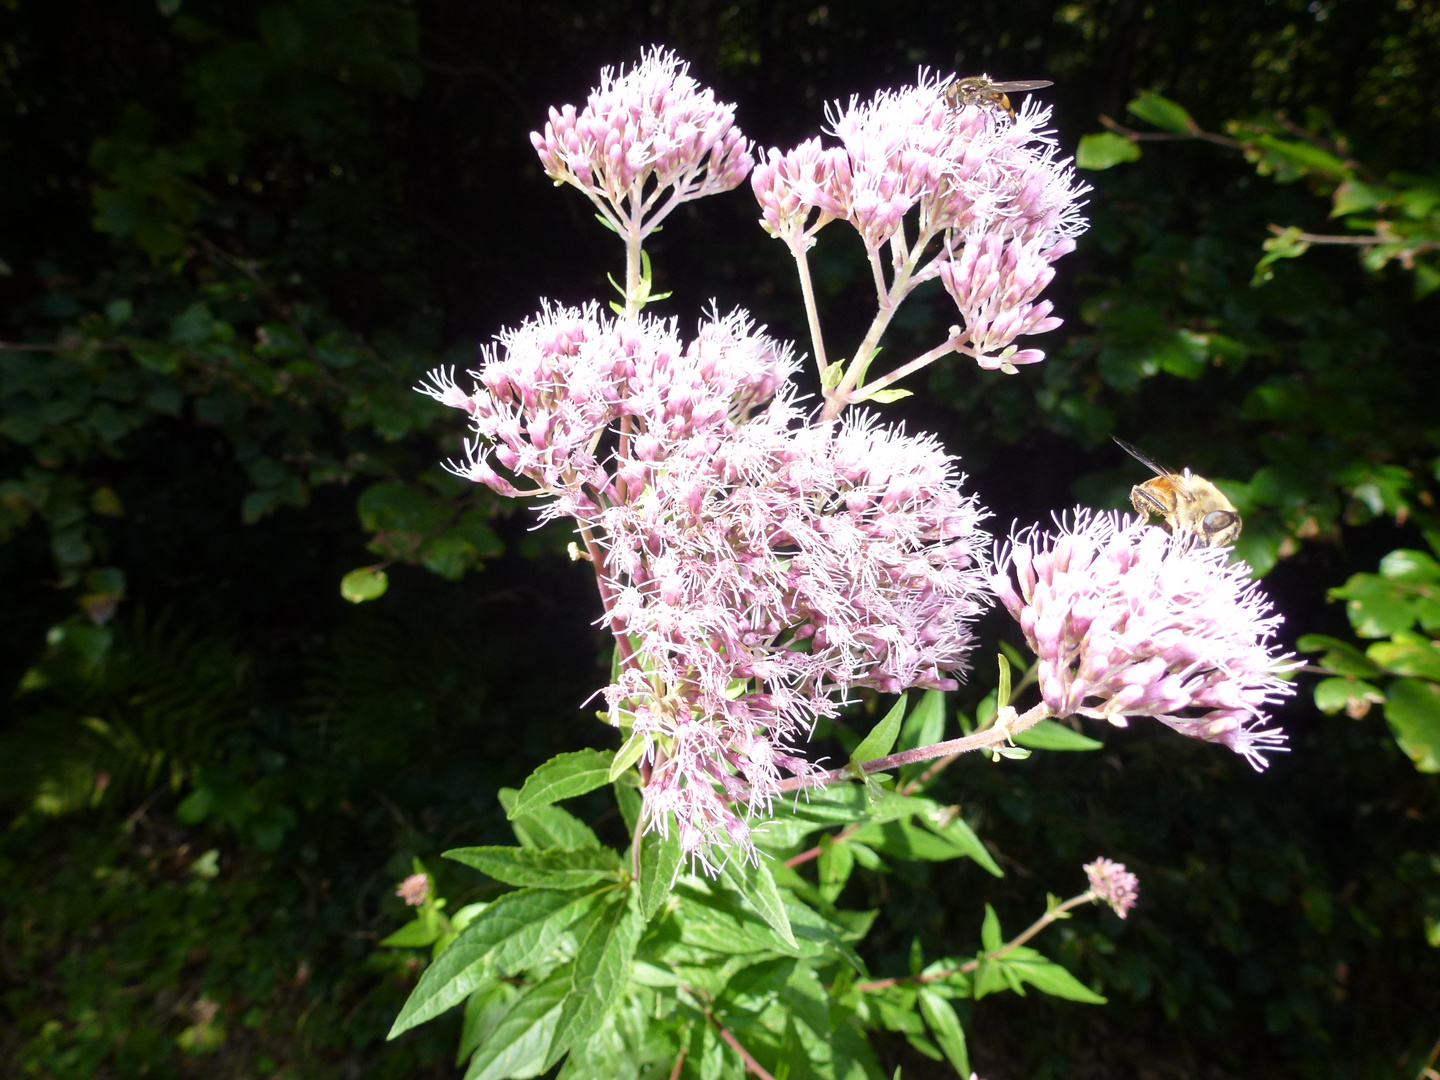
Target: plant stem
x=812, y=312
x=751, y=1065
x=971, y=965
x=995, y=736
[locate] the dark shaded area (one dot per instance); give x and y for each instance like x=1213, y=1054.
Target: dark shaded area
x=362, y=174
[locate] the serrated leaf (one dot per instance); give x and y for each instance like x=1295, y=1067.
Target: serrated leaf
x=756, y=886
x=601, y=969
x=1105, y=150
x=1163, y=113
x=551, y=868
x=940, y=1015
x=926, y=722
x=483, y=1010
x=466, y=963
x=659, y=863
x=522, y=1037
x=882, y=736
x=562, y=777
x=1052, y=735
x=548, y=826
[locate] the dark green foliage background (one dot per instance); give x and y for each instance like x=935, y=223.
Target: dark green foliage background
x=252, y=226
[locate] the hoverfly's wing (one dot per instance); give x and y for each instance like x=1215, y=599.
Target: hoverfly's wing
x=1149, y=462
x=1014, y=86
x=1177, y=482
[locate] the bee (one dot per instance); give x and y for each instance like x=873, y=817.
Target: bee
x=1190, y=504
x=984, y=92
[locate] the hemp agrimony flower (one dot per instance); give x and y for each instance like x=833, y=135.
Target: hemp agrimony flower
x=755, y=567
x=993, y=207
x=1114, y=885
x=1127, y=620
x=644, y=132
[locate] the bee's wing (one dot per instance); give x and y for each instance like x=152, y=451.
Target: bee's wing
x=1148, y=462
x=1016, y=85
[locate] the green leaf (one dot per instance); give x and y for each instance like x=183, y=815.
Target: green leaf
x=1050, y=978
x=1407, y=564
x=416, y=934
x=483, y=1010
x=1105, y=150
x=548, y=826
x=1412, y=707
x=886, y=396
x=367, y=583
x=601, y=970
x=756, y=885
x=1376, y=606
x=1408, y=654
x=940, y=1015
x=533, y=941
x=466, y=963
x=958, y=832
x=925, y=724
x=834, y=866
x=716, y=921
x=1333, y=695
x=1052, y=735
x=562, y=777
x=521, y=1038
x=904, y=840
x=882, y=736
x=990, y=937
x=1341, y=657
x=627, y=755
x=1163, y=113
x=1353, y=197
x=551, y=868
x=659, y=863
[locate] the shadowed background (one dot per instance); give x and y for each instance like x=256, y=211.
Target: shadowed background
x=239, y=232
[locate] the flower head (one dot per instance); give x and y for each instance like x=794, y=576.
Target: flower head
x=992, y=187
x=414, y=890
x=1114, y=885
x=1127, y=620
x=641, y=132
x=765, y=575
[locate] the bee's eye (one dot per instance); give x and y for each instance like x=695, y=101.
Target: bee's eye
x=1219, y=520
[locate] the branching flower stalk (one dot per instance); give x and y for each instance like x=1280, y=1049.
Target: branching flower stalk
x=991, y=204
x=1110, y=884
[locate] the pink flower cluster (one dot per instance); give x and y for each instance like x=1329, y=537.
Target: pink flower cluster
x=1114, y=885
x=414, y=890
x=758, y=567
x=994, y=188
x=643, y=132
x=1127, y=620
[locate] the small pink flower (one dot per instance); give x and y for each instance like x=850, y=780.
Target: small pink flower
x=643, y=132
x=1129, y=621
x=414, y=890
x=1114, y=885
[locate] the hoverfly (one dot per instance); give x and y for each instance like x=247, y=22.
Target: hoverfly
x=1190, y=504
x=984, y=92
